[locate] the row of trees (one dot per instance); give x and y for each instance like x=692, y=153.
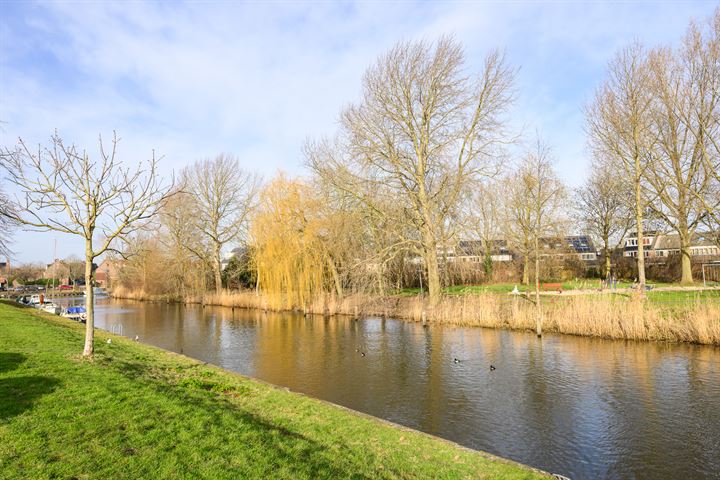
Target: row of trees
x=418, y=163
x=656, y=121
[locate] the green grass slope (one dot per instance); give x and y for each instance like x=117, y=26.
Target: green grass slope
x=139, y=412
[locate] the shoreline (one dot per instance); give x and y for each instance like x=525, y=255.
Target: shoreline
x=158, y=372
x=607, y=315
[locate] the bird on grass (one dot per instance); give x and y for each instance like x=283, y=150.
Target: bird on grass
x=109, y=340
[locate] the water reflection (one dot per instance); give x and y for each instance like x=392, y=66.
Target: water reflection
x=586, y=408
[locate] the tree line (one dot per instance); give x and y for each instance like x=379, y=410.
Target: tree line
x=424, y=159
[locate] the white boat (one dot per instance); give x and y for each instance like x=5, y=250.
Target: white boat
x=51, y=307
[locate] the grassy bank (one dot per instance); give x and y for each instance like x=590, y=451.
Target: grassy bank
x=139, y=412
x=683, y=316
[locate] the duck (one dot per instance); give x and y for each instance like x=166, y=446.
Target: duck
x=362, y=353
x=137, y=338
x=492, y=367
x=455, y=360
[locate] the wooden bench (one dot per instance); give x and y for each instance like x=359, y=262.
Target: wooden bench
x=552, y=286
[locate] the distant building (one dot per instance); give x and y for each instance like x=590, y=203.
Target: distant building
x=571, y=245
x=474, y=251
x=701, y=245
x=107, y=272
x=58, y=271
x=659, y=245
x=630, y=248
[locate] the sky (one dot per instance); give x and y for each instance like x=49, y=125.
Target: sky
x=190, y=80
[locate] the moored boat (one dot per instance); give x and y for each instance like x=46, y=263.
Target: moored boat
x=74, y=313
x=51, y=307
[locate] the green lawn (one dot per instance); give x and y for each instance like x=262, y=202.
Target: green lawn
x=589, y=284
x=139, y=412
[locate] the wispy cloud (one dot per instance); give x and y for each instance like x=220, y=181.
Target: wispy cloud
x=256, y=79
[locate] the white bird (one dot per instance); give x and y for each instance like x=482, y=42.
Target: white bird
x=137, y=338
x=109, y=340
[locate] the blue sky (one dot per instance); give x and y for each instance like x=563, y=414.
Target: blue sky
x=256, y=79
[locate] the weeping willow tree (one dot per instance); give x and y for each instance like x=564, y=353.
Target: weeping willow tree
x=292, y=236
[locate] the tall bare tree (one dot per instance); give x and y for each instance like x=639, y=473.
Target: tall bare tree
x=424, y=132
x=536, y=205
x=518, y=221
x=223, y=196
x=677, y=177
x=603, y=208
x=702, y=58
x=620, y=129
x=65, y=190
x=189, y=252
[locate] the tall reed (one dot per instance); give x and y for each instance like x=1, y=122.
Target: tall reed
x=604, y=316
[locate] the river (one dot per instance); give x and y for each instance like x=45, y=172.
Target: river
x=585, y=408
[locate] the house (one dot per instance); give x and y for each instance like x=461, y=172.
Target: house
x=630, y=248
x=701, y=245
x=474, y=251
x=107, y=272
x=58, y=271
x=571, y=245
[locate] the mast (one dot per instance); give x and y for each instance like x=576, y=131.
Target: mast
x=54, y=271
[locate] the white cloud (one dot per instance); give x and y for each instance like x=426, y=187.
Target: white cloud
x=256, y=79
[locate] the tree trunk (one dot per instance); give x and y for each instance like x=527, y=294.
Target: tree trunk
x=431, y=265
x=538, y=310
x=640, y=233
x=217, y=269
x=89, y=302
x=608, y=264
x=336, y=277
x=606, y=251
x=686, y=263
x=526, y=273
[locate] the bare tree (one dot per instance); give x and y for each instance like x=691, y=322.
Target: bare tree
x=26, y=272
x=223, y=196
x=603, y=208
x=702, y=62
x=75, y=267
x=536, y=203
x=518, y=221
x=677, y=177
x=189, y=252
x=485, y=217
x=6, y=225
x=65, y=190
x=620, y=129
x=425, y=133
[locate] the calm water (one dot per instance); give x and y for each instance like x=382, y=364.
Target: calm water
x=585, y=408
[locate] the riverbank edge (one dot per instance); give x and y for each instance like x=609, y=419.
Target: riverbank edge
x=610, y=316
x=523, y=471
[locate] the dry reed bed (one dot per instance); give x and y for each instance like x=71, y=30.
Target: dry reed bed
x=606, y=317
